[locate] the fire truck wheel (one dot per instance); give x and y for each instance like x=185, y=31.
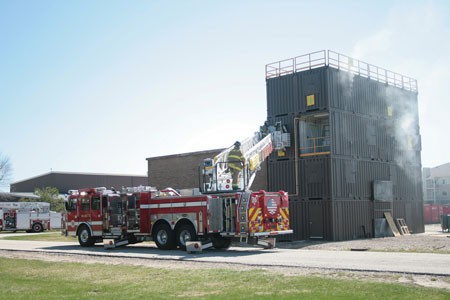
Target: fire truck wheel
x=221, y=242
x=185, y=233
x=164, y=237
x=132, y=240
x=84, y=237
x=37, y=227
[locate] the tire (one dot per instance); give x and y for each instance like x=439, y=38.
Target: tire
x=37, y=227
x=132, y=240
x=185, y=233
x=164, y=237
x=84, y=237
x=220, y=242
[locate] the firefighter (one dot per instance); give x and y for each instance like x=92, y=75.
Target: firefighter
x=264, y=130
x=235, y=162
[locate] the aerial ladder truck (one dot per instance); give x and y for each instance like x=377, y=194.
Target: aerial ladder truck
x=214, y=215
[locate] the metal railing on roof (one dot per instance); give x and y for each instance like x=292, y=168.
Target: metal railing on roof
x=299, y=63
x=341, y=62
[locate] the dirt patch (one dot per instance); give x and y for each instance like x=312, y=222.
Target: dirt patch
x=432, y=241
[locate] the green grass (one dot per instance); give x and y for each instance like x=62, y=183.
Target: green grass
x=50, y=237
x=23, y=231
x=29, y=279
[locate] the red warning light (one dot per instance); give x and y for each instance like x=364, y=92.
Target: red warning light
x=195, y=245
x=228, y=180
x=227, y=186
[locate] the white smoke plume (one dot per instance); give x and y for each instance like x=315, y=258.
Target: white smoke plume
x=413, y=41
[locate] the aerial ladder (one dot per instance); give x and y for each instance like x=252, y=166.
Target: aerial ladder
x=216, y=175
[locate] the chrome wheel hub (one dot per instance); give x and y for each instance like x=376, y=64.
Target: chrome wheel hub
x=162, y=237
x=84, y=236
x=185, y=236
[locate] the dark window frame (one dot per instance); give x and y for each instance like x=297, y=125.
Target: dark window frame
x=95, y=202
x=85, y=203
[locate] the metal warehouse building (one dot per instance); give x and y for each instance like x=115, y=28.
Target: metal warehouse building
x=65, y=181
x=356, y=131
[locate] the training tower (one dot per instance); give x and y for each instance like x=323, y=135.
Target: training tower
x=356, y=145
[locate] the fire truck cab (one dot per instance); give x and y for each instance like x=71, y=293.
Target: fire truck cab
x=172, y=220
x=94, y=213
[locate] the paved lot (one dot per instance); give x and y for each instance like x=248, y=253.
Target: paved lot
x=411, y=263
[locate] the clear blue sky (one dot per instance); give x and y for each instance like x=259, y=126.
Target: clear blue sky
x=98, y=86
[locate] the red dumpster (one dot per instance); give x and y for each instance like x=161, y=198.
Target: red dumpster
x=446, y=210
x=435, y=213
x=427, y=213
x=440, y=210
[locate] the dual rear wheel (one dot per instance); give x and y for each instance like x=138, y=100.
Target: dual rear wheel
x=165, y=238
x=220, y=242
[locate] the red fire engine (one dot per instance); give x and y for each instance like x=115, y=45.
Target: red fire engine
x=171, y=220
x=213, y=215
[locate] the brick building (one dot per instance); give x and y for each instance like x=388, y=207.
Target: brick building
x=181, y=171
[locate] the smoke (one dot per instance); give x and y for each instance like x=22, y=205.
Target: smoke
x=411, y=41
x=400, y=120
x=405, y=131
x=346, y=80
x=405, y=134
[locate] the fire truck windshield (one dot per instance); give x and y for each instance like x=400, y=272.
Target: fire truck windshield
x=71, y=204
x=85, y=204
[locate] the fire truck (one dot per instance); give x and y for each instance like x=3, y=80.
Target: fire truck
x=29, y=216
x=213, y=215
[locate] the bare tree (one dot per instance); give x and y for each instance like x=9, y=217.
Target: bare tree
x=5, y=170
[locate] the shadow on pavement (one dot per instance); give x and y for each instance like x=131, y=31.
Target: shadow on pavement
x=151, y=251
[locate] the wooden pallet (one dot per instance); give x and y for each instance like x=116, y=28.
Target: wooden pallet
x=391, y=223
x=402, y=226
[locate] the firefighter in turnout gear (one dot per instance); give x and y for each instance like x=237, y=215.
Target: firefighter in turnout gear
x=236, y=162
x=264, y=130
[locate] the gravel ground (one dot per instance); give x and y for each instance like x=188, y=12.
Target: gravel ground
x=432, y=241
